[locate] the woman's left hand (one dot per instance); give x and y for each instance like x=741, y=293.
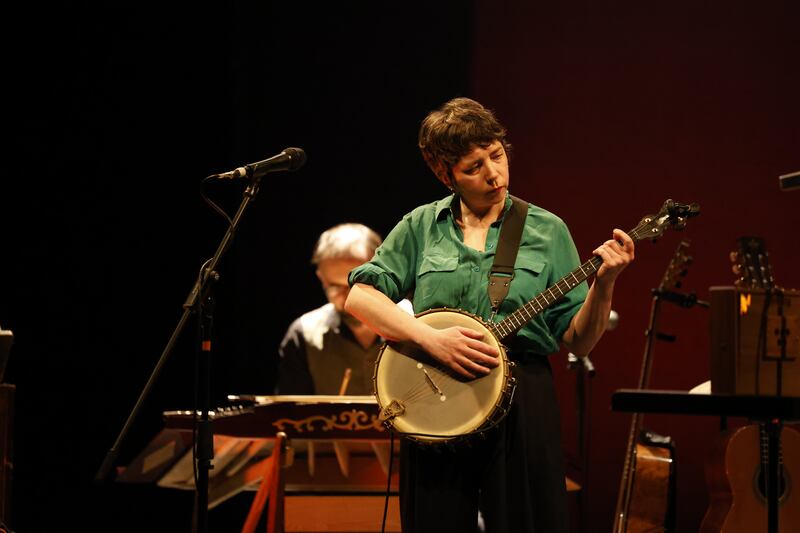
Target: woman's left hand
x=616, y=253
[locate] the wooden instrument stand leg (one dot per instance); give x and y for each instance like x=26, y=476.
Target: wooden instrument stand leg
x=271, y=489
x=6, y=451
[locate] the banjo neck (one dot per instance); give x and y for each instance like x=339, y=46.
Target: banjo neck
x=649, y=227
x=514, y=322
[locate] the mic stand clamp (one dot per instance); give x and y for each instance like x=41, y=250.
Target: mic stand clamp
x=680, y=299
x=582, y=364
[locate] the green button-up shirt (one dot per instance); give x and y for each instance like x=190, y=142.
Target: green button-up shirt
x=425, y=259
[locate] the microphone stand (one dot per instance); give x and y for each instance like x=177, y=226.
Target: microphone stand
x=200, y=302
x=584, y=367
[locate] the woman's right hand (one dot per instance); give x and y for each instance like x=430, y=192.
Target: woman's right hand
x=461, y=350
x=458, y=348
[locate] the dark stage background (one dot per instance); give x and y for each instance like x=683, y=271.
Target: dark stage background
x=117, y=114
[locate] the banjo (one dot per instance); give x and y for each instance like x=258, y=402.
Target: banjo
x=424, y=401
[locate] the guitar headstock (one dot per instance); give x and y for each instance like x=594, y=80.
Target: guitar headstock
x=676, y=268
x=672, y=215
x=751, y=264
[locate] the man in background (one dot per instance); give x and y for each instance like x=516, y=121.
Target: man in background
x=328, y=351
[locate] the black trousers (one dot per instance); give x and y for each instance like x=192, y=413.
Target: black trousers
x=515, y=475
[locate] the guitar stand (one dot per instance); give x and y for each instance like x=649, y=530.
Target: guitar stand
x=771, y=410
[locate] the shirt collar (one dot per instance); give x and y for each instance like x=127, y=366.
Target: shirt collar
x=444, y=205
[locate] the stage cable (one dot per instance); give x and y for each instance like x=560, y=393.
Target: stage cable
x=388, y=482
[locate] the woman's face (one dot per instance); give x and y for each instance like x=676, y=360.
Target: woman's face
x=481, y=176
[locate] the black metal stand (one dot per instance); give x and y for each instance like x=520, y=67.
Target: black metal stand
x=774, y=426
x=203, y=432
x=585, y=369
x=200, y=302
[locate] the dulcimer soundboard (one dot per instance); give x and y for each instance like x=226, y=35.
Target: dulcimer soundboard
x=299, y=417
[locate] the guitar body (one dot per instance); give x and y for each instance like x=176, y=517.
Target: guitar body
x=649, y=508
x=419, y=398
x=737, y=502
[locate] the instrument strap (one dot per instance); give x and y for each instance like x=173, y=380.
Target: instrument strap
x=502, y=272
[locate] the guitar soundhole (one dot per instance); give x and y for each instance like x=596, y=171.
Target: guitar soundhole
x=760, y=485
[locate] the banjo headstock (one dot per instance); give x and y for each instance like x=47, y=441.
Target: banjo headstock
x=672, y=215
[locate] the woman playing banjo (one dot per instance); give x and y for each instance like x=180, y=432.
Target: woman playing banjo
x=441, y=254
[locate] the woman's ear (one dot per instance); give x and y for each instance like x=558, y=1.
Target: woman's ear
x=444, y=175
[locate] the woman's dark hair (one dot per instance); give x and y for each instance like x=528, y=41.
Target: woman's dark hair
x=452, y=131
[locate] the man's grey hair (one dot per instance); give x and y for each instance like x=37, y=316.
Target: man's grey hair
x=346, y=241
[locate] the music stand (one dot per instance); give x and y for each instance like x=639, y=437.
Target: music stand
x=772, y=410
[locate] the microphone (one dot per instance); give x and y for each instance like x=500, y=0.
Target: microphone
x=290, y=160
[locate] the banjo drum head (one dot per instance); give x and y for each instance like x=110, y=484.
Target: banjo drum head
x=439, y=404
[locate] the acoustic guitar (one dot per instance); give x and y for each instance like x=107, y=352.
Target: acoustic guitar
x=422, y=400
x=645, y=501
x=737, y=485
x=736, y=468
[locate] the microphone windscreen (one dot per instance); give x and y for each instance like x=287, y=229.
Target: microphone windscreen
x=298, y=157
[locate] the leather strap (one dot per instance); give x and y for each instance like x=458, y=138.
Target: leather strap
x=502, y=272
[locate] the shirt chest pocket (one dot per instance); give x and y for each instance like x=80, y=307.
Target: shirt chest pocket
x=437, y=282
x=530, y=277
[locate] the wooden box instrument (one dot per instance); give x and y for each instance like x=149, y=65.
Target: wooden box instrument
x=755, y=338
x=334, y=475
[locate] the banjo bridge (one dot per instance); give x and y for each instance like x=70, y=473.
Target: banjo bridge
x=432, y=383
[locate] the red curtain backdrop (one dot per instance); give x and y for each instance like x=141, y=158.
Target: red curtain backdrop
x=614, y=107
